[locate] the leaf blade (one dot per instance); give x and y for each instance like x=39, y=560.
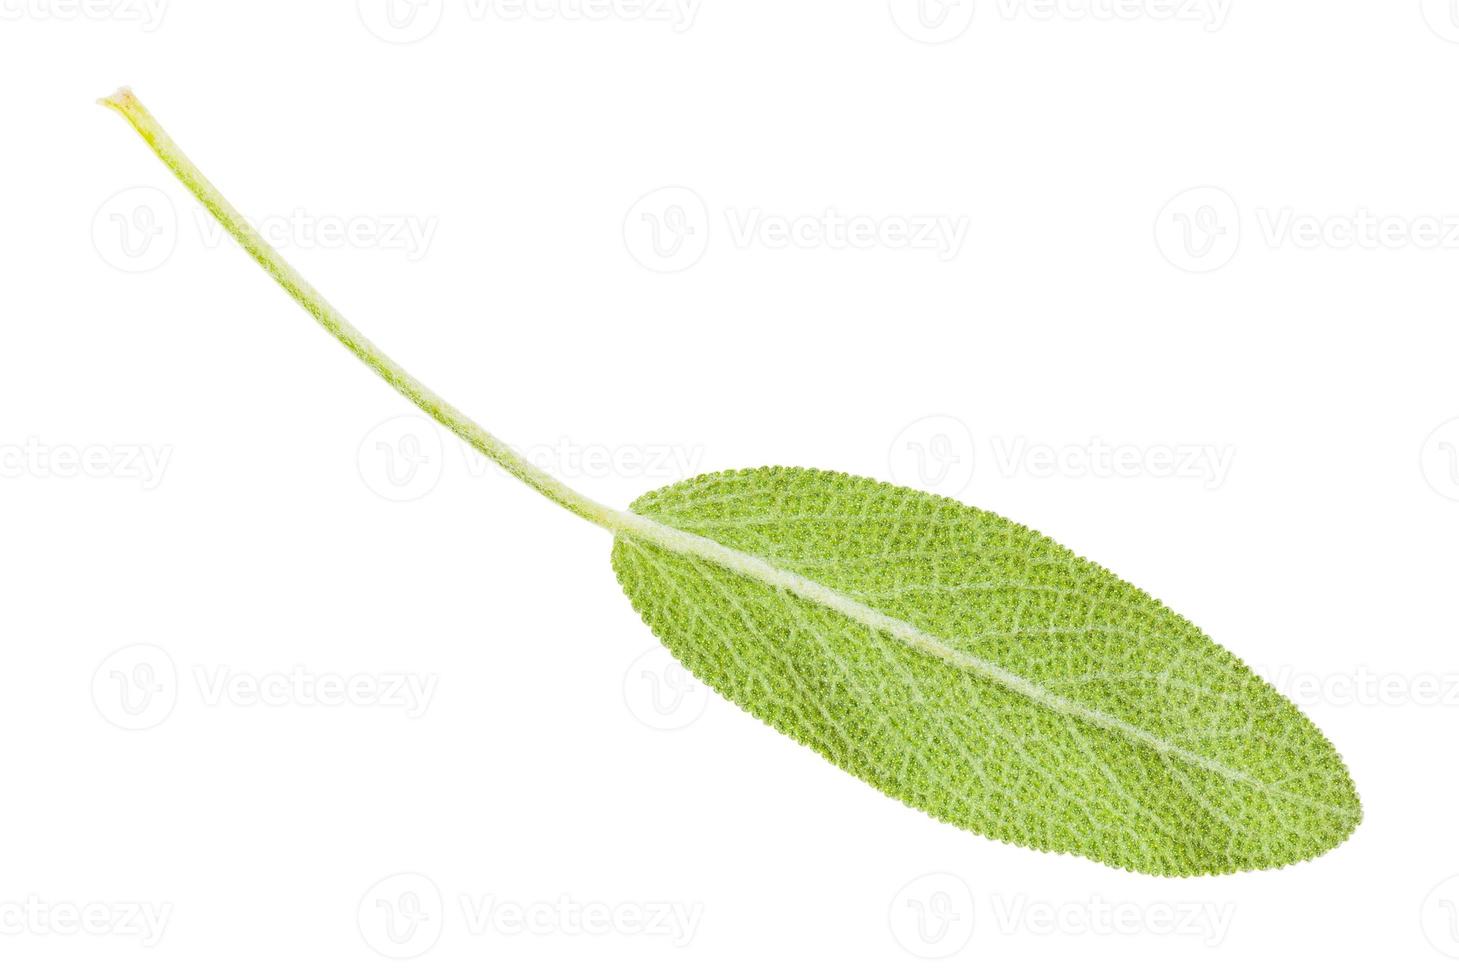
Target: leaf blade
x=982, y=673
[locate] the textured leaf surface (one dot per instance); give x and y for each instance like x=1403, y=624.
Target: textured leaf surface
x=1008, y=686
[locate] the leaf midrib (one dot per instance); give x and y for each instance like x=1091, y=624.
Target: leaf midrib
x=757, y=568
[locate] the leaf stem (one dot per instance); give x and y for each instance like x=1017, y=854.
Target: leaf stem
x=131, y=108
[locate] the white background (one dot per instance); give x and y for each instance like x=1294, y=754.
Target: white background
x=1232, y=396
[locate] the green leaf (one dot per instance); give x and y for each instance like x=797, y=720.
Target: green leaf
x=979, y=671
x=954, y=659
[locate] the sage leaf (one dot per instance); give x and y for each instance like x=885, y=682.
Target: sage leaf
x=951, y=658
x=979, y=671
